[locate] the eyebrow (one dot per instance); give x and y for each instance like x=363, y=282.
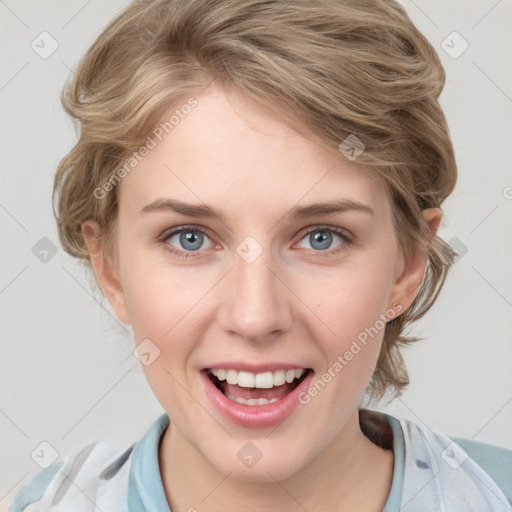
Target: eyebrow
x=297, y=212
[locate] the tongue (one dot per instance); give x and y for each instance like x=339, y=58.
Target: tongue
x=248, y=393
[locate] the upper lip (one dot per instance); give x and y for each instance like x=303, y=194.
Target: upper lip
x=258, y=368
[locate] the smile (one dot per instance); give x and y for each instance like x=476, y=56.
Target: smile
x=246, y=387
x=255, y=399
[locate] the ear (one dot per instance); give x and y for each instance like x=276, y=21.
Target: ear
x=409, y=274
x=105, y=270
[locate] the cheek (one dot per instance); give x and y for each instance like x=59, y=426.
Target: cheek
x=160, y=298
x=349, y=300
x=349, y=306
x=169, y=307
x=164, y=308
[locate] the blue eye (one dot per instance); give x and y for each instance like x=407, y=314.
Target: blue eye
x=187, y=242
x=321, y=238
x=187, y=239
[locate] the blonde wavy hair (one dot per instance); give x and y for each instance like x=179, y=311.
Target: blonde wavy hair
x=331, y=68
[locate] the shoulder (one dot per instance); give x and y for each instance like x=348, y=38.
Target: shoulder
x=95, y=477
x=496, y=461
x=90, y=477
x=464, y=473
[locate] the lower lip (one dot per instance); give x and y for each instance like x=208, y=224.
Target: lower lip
x=255, y=416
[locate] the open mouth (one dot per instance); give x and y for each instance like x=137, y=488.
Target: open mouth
x=256, y=388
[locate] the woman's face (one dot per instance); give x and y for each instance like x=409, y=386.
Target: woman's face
x=259, y=281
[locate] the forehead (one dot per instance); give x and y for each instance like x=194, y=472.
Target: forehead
x=232, y=154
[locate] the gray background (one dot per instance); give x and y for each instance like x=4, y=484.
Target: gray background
x=67, y=376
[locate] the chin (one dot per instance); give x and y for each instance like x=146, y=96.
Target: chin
x=266, y=466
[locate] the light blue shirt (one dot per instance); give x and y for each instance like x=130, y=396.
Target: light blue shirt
x=431, y=473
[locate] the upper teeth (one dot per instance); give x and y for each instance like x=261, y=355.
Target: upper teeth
x=257, y=380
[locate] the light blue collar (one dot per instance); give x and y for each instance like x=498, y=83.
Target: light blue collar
x=394, y=501
x=145, y=488
x=431, y=473
x=146, y=492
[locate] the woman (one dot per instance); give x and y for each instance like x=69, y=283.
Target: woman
x=257, y=188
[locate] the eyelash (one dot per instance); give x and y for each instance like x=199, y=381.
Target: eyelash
x=346, y=239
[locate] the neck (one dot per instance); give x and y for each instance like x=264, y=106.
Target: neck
x=352, y=473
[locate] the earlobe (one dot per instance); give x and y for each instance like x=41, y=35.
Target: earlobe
x=105, y=270
x=409, y=279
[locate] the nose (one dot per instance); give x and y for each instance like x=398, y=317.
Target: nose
x=255, y=301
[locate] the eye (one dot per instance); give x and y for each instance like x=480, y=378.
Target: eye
x=186, y=239
x=321, y=239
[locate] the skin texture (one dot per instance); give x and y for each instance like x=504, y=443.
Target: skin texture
x=293, y=304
